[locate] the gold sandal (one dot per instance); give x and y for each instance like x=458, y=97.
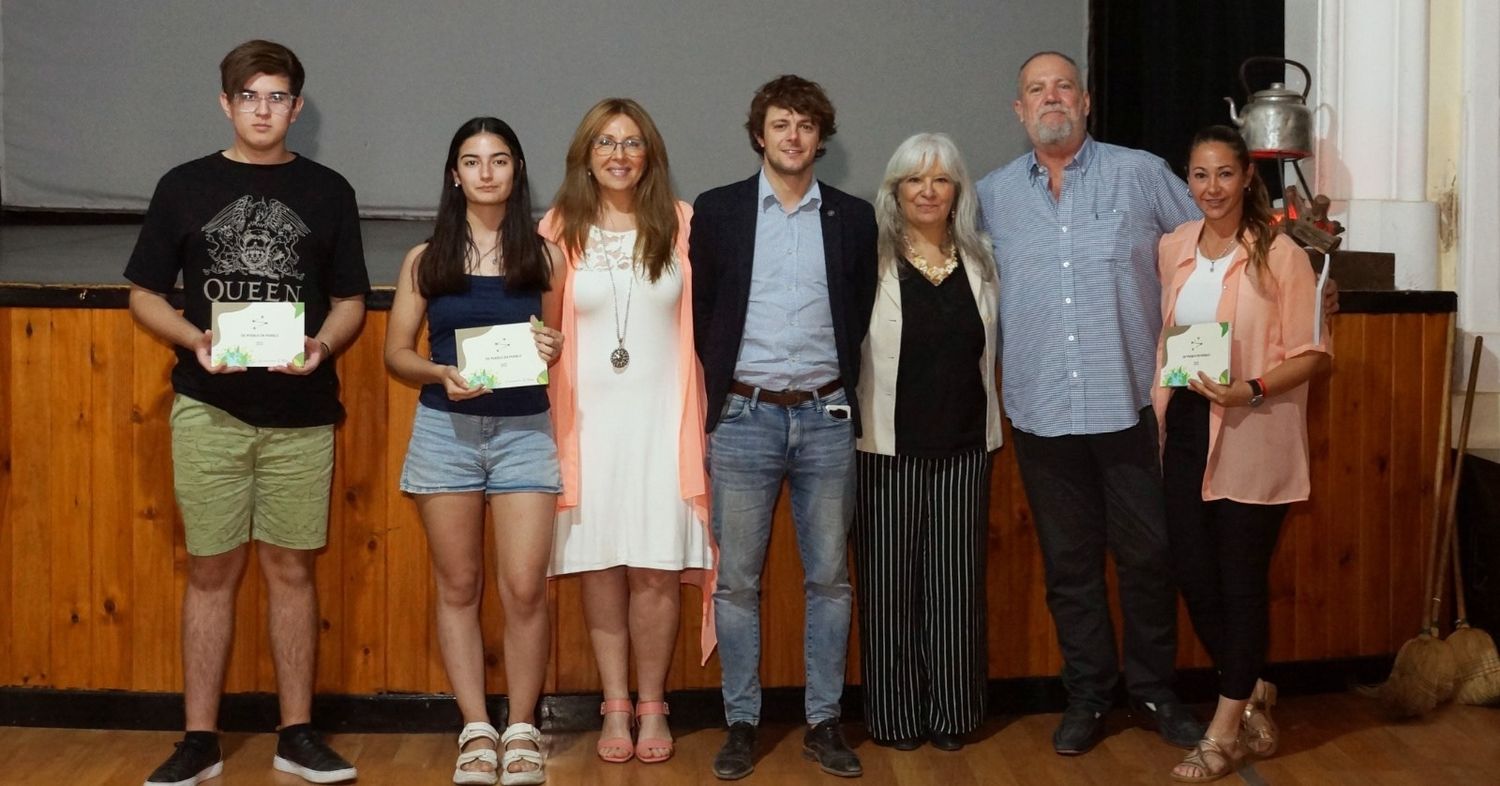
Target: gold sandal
x=1260, y=733
x=1212, y=761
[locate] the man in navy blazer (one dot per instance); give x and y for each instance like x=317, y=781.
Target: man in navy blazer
x=783, y=283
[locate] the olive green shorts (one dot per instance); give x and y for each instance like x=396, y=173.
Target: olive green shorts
x=235, y=481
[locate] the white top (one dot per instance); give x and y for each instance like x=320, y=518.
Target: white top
x=1198, y=301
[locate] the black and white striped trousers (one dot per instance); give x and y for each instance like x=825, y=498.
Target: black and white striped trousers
x=919, y=550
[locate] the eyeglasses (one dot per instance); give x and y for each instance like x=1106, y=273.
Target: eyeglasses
x=634, y=146
x=280, y=103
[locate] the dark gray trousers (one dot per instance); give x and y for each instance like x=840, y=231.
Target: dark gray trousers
x=1089, y=493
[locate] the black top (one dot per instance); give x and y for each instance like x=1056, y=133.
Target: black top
x=487, y=302
x=250, y=233
x=940, y=401
x=722, y=249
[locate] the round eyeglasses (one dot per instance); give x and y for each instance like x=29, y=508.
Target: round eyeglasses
x=634, y=146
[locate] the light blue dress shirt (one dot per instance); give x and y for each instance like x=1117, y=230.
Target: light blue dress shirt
x=788, y=339
x=1080, y=299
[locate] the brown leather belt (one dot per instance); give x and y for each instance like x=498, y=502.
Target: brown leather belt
x=785, y=398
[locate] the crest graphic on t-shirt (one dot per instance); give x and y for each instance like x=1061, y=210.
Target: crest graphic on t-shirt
x=255, y=236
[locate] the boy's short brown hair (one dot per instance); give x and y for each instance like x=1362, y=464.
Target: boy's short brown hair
x=259, y=57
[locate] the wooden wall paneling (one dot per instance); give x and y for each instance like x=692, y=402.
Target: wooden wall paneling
x=157, y=555
x=1375, y=487
x=8, y=513
x=1411, y=466
x=70, y=420
x=1339, y=576
x=112, y=604
x=1305, y=536
x=1436, y=368
x=31, y=579
x=354, y=608
x=408, y=610
x=575, y=670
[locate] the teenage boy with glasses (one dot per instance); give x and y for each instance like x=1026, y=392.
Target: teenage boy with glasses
x=252, y=449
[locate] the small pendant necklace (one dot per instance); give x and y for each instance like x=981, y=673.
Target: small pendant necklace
x=1213, y=261
x=620, y=357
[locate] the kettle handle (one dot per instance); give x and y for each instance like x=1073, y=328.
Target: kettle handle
x=1306, y=75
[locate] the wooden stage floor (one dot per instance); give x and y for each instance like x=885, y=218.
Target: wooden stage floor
x=1327, y=739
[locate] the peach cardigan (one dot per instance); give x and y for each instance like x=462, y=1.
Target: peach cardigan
x=692, y=475
x=1255, y=454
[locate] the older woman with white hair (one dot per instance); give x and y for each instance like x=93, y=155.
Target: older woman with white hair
x=931, y=421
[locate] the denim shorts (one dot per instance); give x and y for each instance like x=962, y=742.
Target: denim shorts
x=451, y=453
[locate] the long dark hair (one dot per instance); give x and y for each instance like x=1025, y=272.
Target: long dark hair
x=523, y=261
x=577, y=202
x=1256, y=215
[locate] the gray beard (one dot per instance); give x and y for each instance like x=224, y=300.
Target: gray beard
x=1051, y=135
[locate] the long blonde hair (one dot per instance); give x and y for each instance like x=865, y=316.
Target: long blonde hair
x=577, y=202
x=912, y=157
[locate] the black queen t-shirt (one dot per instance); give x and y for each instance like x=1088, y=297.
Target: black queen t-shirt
x=246, y=233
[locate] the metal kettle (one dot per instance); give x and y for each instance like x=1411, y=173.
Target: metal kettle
x=1276, y=122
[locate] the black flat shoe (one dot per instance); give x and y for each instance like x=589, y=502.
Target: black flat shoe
x=1172, y=721
x=944, y=741
x=824, y=744
x=1078, y=732
x=901, y=744
x=737, y=758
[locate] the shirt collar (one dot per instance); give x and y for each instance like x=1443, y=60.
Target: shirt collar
x=812, y=200
x=1080, y=162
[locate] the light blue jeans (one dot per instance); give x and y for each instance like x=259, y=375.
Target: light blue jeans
x=753, y=448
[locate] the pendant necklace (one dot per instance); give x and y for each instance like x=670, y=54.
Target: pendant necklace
x=620, y=358
x=1223, y=255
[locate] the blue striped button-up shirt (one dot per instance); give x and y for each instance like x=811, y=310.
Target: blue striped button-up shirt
x=788, y=339
x=1080, y=301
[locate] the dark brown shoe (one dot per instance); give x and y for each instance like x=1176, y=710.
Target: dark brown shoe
x=824, y=744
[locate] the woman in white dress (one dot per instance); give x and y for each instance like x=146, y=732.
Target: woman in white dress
x=628, y=413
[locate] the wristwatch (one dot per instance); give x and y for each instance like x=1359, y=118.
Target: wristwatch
x=1257, y=392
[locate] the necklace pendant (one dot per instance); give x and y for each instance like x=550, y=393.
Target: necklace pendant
x=620, y=358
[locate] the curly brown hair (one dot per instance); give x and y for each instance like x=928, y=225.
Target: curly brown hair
x=799, y=95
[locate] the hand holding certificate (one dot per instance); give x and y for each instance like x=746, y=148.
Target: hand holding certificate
x=499, y=356
x=1190, y=349
x=257, y=335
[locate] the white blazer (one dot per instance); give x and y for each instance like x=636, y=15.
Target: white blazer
x=880, y=359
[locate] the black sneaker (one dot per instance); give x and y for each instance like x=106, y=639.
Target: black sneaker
x=737, y=758
x=193, y=762
x=1173, y=721
x=301, y=752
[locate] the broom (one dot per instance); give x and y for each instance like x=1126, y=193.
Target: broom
x=1473, y=650
x=1425, y=671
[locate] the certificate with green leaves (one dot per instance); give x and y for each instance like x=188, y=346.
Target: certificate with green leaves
x=257, y=335
x=1193, y=348
x=499, y=356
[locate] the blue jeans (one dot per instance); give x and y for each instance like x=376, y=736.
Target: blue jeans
x=753, y=448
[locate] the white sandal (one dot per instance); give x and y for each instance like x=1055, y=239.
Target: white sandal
x=471, y=732
x=527, y=733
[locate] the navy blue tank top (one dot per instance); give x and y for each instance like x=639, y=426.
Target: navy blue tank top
x=487, y=302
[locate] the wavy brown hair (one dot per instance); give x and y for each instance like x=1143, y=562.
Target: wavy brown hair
x=577, y=203
x=1255, y=214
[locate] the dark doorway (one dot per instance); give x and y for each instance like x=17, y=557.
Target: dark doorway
x=1159, y=69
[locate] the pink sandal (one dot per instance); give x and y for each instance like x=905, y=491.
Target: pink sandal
x=645, y=744
x=605, y=744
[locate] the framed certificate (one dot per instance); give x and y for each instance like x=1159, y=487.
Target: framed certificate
x=257, y=335
x=1193, y=348
x=499, y=356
